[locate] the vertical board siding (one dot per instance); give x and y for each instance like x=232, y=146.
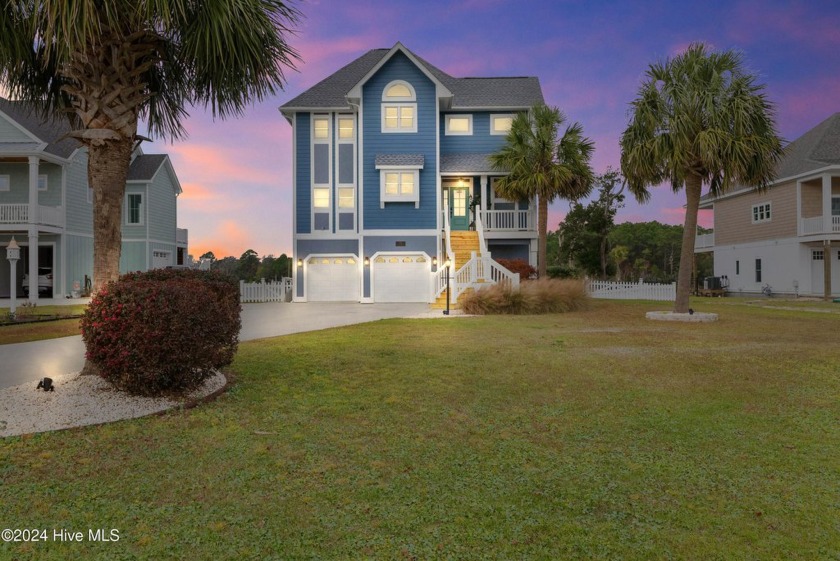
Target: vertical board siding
x=79, y=260
x=303, y=186
x=400, y=215
x=133, y=257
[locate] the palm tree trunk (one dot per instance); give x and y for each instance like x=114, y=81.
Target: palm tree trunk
x=693, y=186
x=107, y=173
x=542, y=225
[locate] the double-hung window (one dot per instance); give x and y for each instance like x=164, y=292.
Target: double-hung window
x=400, y=185
x=399, y=108
x=134, y=209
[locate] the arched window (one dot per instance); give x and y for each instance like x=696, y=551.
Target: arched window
x=399, y=107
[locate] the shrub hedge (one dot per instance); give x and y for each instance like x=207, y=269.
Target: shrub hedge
x=520, y=266
x=543, y=296
x=163, y=331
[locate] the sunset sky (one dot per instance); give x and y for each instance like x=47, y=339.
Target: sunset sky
x=590, y=58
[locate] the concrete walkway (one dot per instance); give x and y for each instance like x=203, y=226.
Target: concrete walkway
x=24, y=362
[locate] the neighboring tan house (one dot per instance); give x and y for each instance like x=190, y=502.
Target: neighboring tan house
x=786, y=238
x=45, y=202
x=392, y=179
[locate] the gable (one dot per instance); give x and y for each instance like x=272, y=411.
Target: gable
x=11, y=132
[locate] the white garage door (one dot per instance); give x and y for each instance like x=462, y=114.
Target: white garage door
x=401, y=278
x=161, y=259
x=332, y=279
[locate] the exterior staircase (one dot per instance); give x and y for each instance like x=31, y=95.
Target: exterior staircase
x=464, y=244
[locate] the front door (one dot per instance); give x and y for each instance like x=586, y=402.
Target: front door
x=459, y=208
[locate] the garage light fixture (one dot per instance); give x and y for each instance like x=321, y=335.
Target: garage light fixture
x=367, y=261
x=300, y=262
x=434, y=261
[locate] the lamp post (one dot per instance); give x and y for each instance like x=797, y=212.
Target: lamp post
x=13, y=254
x=447, y=264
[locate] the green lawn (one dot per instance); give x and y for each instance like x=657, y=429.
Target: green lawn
x=39, y=330
x=589, y=435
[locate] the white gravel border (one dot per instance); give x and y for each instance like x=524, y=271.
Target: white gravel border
x=80, y=401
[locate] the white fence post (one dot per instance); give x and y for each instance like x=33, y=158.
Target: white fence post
x=631, y=291
x=271, y=291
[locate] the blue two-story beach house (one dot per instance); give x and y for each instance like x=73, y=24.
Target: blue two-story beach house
x=392, y=181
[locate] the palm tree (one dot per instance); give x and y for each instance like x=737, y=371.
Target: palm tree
x=106, y=64
x=541, y=165
x=699, y=118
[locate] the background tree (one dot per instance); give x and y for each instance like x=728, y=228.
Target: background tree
x=208, y=255
x=248, y=264
x=699, y=118
x=105, y=64
x=585, y=230
x=651, y=251
x=542, y=165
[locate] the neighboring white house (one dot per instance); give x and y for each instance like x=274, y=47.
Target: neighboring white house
x=786, y=238
x=46, y=202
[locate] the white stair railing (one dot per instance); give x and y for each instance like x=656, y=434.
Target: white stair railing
x=479, y=228
x=479, y=271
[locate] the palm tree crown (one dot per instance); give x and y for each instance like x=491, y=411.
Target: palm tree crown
x=541, y=165
x=699, y=118
x=106, y=64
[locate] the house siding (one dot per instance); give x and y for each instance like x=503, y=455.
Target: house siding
x=479, y=142
x=79, y=212
x=10, y=133
x=133, y=257
x=138, y=230
x=303, y=186
x=733, y=217
x=162, y=206
x=400, y=215
x=18, y=192
x=52, y=196
x=79, y=251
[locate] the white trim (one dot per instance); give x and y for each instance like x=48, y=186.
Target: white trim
x=329, y=184
x=352, y=185
x=372, y=266
x=21, y=128
x=399, y=197
x=440, y=90
x=391, y=233
x=294, y=205
x=761, y=213
x=447, y=124
x=141, y=209
x=348, y=235
x=400, y=128
x=398, y=167
x=493, y=117
x=412, y=96
x=359, y=263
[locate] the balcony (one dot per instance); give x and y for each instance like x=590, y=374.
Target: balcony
x=819, y=225
x=509, y=220
x=704, y=242
x=19, y=214
x=181, y=236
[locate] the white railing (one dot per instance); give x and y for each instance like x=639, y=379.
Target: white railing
x=181, y=235
x=14, y=214
x=439, y=281
x=631, y=291
x=479, y=271
x=479, y=228
x=510, y=220
x=51, y=215
x=704, y=241
x=272, y=291
x=447, y=231
x=819, y=225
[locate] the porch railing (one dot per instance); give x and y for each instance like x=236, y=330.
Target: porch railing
x=704, y=241
x=509, y=220
x=479, y=271
x=19, y=214
x=819, y=225
x=479, y=228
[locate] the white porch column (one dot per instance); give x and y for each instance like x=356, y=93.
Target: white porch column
x=33, y=229
x=33, y=263
x=826, y=202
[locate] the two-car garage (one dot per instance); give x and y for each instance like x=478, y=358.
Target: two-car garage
x=395, y=277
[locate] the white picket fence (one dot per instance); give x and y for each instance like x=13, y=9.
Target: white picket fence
x=271, y=291
x=631, y=291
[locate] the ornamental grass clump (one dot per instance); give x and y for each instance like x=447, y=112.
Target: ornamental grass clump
x=163, y=332
x=544, y=296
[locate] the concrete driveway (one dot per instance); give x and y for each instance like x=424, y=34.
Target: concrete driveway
x=25, y=362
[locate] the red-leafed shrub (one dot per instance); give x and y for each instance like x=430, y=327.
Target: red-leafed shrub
x=163, y=331
x=518, y=266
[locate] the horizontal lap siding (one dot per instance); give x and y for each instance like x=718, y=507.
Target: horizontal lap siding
x=79, y=260
x=733, y=217
x=18, y=192
x=303, y=186
x=162, y=207
x=10, y=133
x=400, y=215
x=479, y=142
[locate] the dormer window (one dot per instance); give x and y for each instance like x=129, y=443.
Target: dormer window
x=399, y=108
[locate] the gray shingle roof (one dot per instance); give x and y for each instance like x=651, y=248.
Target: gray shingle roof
x=407, y=160
x=145, y=166
x=817, y=148
x=465, y=163
x=509, y=92
x=51, y=132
